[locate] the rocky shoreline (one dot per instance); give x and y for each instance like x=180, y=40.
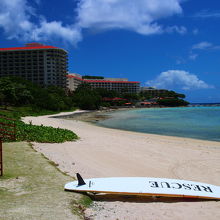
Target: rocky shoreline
x=93, y=116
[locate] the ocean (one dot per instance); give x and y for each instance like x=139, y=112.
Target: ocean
x=193, y=122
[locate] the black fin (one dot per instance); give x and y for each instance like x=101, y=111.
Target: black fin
x=80, y=180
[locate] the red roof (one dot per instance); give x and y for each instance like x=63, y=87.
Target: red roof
x=106, y=81
x=75, y=77
x=30, y=46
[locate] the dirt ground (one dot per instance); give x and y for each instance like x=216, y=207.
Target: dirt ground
x=32, y=187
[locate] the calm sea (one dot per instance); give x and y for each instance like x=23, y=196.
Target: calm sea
x=193, y=122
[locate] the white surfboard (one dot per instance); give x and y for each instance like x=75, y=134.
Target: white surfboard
x=145, y=186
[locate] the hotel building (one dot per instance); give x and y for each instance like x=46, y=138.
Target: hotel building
x=41, y=64
x=154, y=92
x=120, y=85
x=73, y=81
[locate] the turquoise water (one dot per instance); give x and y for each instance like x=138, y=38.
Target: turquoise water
x=192, y=122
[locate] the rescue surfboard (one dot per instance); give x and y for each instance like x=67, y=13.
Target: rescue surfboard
x=145, y=186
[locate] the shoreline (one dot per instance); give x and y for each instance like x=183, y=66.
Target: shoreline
x=94, y=116
x=106, y=152
x=79, y=127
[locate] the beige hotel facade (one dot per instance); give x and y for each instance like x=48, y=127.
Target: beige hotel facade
x=41, y=64
x=48, y=65
x=121, y=85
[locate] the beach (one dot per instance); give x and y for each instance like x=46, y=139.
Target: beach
x=104, y=152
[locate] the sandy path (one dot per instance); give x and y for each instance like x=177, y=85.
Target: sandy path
x=103, y=152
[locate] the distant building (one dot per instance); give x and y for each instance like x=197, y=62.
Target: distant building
x=152, y=91
x=73, y=81
x=120, y=85
x=41, y=64
x=115, y=85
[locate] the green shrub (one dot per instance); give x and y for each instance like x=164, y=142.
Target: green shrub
x=34, y=133
x=43, y=134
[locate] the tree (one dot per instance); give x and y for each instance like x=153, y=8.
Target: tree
x=104, y=93
x=86, y=98
x=14, y=93
x=18, y=91
x=130, y=96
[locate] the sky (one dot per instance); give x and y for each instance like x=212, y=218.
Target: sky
x=168, y=44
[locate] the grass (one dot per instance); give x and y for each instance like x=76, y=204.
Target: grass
x=17, y=112
x=32, y=187
x=29, y=132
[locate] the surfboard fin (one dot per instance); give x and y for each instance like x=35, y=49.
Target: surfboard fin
x=81, y=182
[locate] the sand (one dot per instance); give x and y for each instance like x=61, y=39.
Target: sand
x=104, y=152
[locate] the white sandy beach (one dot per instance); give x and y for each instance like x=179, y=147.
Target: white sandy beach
x=104, y=152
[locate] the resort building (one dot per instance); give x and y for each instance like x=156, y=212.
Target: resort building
x=154, y=92
x=120, y=85
x=41, y=64
x=73, y=81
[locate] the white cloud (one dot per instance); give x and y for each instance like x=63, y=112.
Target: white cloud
x=205, y=46
x=207, y=14
x=180, y=30
x=15, y=20
x=178, y=79
x=193, y=56
x=180, y=60
x=202, y=45
x=140, y=16
x=56, y=30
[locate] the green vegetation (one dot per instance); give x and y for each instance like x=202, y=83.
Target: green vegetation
x=32, y=188
x=34, y=133
x=17, y=112
x=17, y=92
x=43, y=134
x=20, y=98
x=166, y=98
x=164, y=93
x=87, y=98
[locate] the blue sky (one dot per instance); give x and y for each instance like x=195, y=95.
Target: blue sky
x=169, y=44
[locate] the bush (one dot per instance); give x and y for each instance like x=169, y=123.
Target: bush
x=43, y=134
x=29, y=132
x=86, y=98
x=16, y=91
